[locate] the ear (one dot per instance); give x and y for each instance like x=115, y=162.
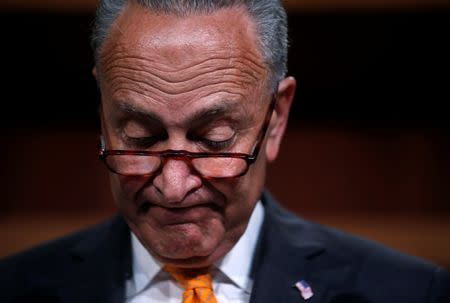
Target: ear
x=286, y=91
x=94, y=72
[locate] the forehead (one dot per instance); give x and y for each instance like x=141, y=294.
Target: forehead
x=176, y=42
x=174, y=61
x=228, y=28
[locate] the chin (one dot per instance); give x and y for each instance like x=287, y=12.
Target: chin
x=184, y=245
x=193, y=261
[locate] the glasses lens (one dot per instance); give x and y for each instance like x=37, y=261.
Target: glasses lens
x=133, y=164
x=217, y=167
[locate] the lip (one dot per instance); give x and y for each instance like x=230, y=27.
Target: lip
x=182, y=215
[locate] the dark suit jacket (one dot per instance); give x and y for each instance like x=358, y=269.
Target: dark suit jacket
x=92, y=265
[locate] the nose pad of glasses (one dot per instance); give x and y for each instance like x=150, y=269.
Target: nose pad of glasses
x=176, y=179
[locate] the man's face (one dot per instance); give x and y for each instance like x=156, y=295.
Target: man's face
x=193, y=83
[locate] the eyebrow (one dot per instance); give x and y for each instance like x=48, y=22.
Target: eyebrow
x=215, y=111
x=137, y=112
x=203, y=115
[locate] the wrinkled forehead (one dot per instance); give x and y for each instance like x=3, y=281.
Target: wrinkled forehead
x=176, y=42
x=177, y=65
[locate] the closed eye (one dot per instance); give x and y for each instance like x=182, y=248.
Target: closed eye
x=216, y=138
x=144, y=142
x=217, y=145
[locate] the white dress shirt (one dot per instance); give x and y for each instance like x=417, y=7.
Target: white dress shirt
x=231, y=275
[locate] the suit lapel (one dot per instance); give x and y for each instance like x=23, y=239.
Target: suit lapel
x=103, y=269
x=291, y=250
x=97, y=268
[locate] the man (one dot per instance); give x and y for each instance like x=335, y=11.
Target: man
x=194, y=105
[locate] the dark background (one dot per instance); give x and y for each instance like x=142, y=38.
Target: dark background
x=367, y=149
x=383, y=68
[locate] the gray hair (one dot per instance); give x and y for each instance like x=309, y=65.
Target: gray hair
x=269, y=16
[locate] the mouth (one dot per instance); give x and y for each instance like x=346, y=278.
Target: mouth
x=179, y=215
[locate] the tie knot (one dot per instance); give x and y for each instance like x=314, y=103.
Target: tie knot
x=191, y=278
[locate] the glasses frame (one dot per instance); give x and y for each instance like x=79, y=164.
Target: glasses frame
x=187, y=156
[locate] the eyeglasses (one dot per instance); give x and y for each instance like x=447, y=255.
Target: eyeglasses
x=208, y=165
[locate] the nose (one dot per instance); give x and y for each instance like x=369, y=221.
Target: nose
x=176, y=181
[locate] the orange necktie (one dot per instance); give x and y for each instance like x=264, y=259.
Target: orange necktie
x=196, y=283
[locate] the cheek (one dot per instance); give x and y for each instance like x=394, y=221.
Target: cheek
x=242, y=195
x=124, y=189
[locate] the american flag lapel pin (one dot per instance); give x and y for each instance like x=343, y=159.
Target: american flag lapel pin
x=305, y=290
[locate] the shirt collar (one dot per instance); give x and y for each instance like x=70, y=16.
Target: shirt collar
x=236, y=265
x=145, y=267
